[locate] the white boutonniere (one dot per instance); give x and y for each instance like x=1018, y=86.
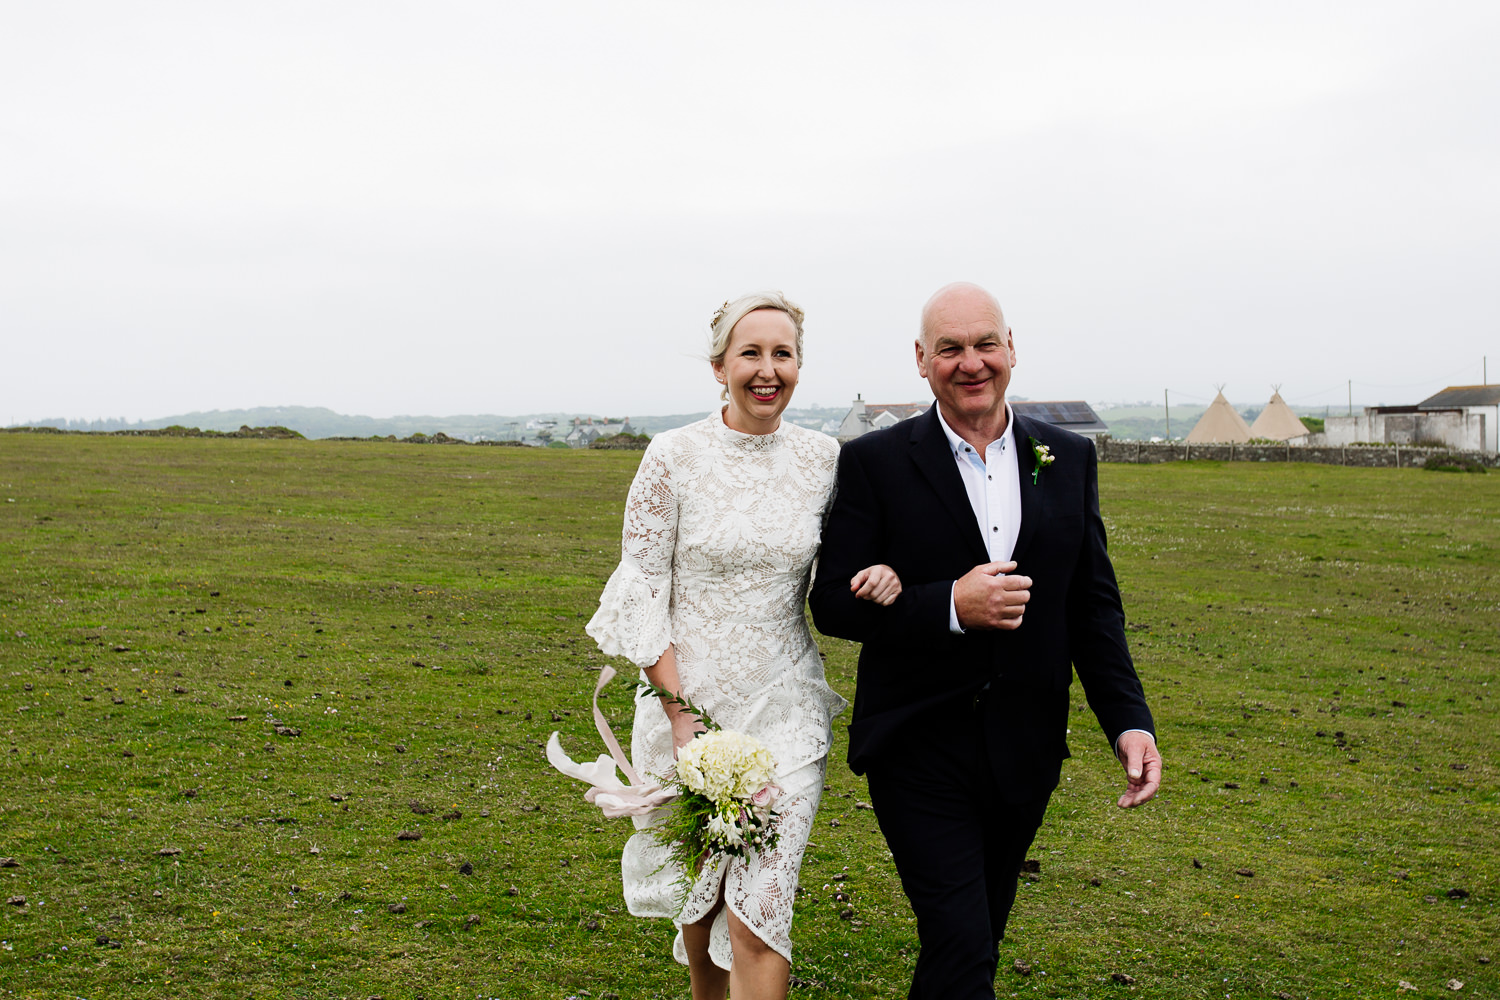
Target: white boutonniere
x=1044, y=458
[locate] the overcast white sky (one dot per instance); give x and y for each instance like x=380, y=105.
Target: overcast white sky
x=485, y=207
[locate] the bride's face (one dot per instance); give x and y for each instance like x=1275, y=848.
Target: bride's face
x=760, y=371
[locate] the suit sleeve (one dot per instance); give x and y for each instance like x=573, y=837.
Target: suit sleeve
x=1096, y=628
x=855, y=538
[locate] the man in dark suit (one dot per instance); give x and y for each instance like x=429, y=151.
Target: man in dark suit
x=961, y=708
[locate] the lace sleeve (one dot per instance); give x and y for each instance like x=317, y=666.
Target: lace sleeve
x=633, y=619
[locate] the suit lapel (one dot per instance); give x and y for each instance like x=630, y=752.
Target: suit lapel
x=1032, y=495
x=930, y=453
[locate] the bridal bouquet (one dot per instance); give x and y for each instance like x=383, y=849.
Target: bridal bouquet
x=719, y=798
x=725, y=799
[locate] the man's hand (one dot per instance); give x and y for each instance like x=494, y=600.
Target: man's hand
x=878, y=583
x=986, y=597
x=1142, y=762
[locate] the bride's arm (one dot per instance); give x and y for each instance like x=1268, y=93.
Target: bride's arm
x=633, y=620
x=685, y=724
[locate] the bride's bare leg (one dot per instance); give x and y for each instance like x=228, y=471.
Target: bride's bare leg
x=759, y=973
x=709, y=981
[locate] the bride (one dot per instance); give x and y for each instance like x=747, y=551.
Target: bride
x=722, y=525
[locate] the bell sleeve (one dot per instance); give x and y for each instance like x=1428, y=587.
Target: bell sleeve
x=634, y=618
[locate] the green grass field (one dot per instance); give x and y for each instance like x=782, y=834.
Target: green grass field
x=1319, y=644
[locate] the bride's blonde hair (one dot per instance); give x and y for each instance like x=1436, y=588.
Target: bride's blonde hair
x=730, y=313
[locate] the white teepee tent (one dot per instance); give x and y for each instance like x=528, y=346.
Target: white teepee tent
x=1277, y=421
x=1220, y=423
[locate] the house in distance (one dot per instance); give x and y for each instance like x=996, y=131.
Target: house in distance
x=1461, y=416
x=1071, y=414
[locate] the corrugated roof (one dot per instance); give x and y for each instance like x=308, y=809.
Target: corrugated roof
x=900, y=411
x=1462, y=395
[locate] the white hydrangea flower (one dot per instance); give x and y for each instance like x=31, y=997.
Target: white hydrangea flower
x=724, y=766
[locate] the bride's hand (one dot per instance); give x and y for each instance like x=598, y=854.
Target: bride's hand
x=878, y=583
x=685, y=726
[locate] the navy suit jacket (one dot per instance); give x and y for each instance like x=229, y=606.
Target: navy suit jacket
x=901, y=501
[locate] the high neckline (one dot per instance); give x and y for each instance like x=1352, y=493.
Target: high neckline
x=739, y=439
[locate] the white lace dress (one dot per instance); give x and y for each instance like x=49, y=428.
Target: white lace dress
x=721, y=529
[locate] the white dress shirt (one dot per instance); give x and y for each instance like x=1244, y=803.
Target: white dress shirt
x=993, y=483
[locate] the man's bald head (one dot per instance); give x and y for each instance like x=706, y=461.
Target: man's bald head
x=962, y=296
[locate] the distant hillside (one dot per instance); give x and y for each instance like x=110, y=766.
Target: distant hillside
x=1142, y=423
x=1129, y=423
x=321, y=422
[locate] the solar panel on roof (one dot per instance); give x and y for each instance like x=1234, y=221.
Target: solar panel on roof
x=1061, y=412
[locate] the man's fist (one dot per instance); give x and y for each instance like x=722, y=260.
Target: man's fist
x=987, y=596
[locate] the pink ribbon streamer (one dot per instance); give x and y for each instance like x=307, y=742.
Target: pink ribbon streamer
x=613, y=797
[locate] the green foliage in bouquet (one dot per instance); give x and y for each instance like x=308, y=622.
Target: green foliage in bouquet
x=672, y=696
x=684, y=823
x=725, y=796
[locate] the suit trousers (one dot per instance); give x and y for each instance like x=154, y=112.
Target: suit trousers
x=958, y=847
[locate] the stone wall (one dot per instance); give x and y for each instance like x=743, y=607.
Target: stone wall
x=1377, y=457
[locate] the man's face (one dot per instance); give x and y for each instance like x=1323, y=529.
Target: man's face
x=966, y=356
